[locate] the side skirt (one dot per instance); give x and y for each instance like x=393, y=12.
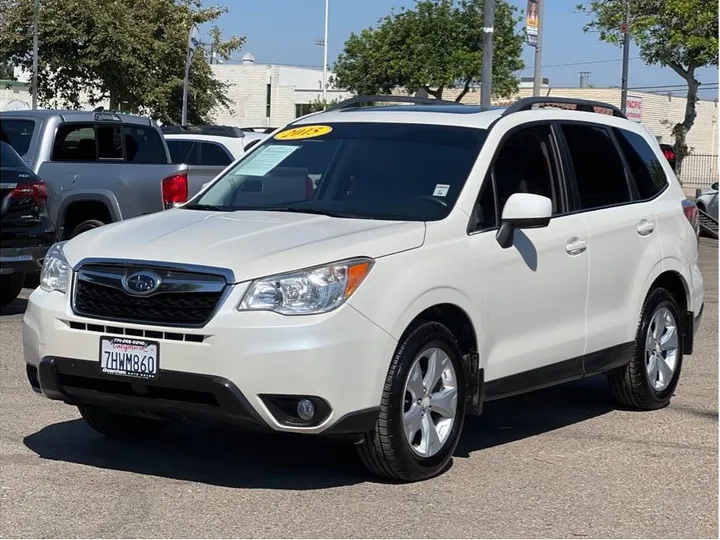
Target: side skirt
x=560, y=372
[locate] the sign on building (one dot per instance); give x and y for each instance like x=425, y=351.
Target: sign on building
x=634, y=108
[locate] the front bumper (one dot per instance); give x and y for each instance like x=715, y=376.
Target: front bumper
x=22, y=259
x=234, y=370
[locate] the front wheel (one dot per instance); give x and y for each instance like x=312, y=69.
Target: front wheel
x=422, y=409
x=649, y=380
x=120, y=426
x=85, y=226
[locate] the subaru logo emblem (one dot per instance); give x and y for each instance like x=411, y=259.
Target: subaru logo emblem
x=142, y=283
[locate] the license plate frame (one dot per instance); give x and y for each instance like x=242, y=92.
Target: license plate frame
x=144, y=363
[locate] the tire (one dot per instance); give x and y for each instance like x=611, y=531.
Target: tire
x=86, y=226
x=386, y=450
x=701, y=207
x=10, y=287
x=631, y=384
x=121, y=426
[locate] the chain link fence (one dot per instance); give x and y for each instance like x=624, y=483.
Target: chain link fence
x=699, y=171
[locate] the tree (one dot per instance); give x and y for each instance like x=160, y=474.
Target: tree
x=131, y=52
x=435, y=45
x=679, y=34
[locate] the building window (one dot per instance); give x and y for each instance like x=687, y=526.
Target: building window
x=267, y=100
x=301, y=109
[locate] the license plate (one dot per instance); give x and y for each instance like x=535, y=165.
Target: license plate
x=129, y=357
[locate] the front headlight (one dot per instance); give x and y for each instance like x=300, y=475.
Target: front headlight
x=55, y=274
x=307, y=292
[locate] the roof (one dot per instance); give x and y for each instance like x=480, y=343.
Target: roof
x=234, y=144
x=78, y=116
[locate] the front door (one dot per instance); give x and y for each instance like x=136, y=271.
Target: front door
x=534, y=292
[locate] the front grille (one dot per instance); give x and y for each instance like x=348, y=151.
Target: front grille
x=183, y=299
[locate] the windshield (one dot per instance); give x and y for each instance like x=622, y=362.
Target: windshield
x=363, y=170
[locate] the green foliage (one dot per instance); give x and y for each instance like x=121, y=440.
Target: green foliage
x=436, y=45
x=679, y=34
x=319, y=104
x=131, y=52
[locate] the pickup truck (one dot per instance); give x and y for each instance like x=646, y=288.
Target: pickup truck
x=99, y=167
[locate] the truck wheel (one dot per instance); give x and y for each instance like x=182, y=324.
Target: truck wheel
x=10, y=287
x=120, y=426
x=86, y=226
x=422, y=409
x=649, y=380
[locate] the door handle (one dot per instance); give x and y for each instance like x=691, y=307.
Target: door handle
x=645, y=227
x=575, y=246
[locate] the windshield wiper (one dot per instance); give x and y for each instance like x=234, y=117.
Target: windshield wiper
x=330, y=213
x=209, y=207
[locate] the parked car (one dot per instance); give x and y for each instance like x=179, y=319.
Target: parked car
x=26, y=232
x=208, y=150
x=669, y=153
x=708, y=201
x=99, y=167
x=448, y=256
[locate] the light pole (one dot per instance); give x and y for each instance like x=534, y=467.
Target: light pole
x=325, y=53
x=537, y=68
x=35, y=55
x=626, y=58
x=487, y=65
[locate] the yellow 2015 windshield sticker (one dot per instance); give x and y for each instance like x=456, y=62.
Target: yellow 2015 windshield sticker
x=303, y=132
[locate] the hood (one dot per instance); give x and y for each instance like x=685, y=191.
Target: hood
x=252, y=244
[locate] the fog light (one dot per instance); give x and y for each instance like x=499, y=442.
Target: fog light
x=305, y=409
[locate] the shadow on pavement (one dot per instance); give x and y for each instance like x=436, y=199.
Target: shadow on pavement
x=16, y=307
x=230, y=458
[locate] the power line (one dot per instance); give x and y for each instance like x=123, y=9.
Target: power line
x=609, y=60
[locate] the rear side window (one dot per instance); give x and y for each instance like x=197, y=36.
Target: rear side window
x=20, y=133
x=183, y=152
x=599, y=170
x=214, y=154
x=644, y=163
x=75, y=142
x=143, y=145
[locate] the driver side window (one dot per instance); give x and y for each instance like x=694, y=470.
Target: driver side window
x=525, y=163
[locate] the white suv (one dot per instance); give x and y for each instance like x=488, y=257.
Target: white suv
x=445, y=256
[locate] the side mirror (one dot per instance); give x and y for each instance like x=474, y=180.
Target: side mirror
x=523, y=211
x=714, y=186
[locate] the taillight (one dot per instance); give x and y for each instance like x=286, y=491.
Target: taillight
x=690, y=210
x=175, y=190
x=34, y=190
x=669, y=154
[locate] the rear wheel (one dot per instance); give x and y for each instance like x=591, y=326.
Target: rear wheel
x=10, y=287
x=121, y=426
x=422, y=409
x=85, y=226
x=649, y=380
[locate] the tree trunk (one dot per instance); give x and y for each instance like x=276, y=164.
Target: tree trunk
x=465, y=90
x=437, y=94
x=681, y=129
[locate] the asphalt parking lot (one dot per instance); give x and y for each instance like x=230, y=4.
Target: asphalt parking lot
x=562, y=462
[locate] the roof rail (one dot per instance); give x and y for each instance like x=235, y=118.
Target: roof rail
x=526, y=104
x=357, y=100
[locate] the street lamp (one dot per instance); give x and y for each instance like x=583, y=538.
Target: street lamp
x=325, y=53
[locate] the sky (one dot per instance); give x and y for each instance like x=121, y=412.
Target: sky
x=285, y=31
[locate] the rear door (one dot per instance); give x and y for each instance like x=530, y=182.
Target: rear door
x=624, y=244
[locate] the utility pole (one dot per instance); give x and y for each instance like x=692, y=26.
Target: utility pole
x=487, y=65
x=325, y=53
x=537, y=69
x=35, y=55
x=626, y=58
